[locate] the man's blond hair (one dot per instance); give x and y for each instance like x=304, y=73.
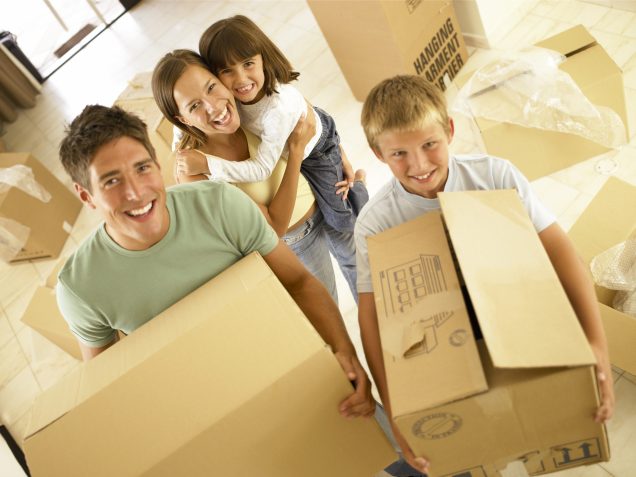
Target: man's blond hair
x=403, y=103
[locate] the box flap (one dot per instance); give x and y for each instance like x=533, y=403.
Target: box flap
x=608, y=220
x=620, y=329
x=43, y=315
x=523, y=311
x=569, y=41
x=424, y=326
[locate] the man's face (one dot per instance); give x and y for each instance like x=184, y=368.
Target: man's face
x=418, y=159
x=128, y=191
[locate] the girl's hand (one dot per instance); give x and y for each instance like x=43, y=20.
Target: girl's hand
x=191, y=163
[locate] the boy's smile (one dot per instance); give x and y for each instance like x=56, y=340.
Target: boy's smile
x=418, y=159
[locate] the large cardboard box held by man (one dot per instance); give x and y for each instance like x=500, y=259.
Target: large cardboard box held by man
x=375, y=39
x=231, y=380
x=608, y=221
x=538, y=152
x=50, y=222
x=526, y=392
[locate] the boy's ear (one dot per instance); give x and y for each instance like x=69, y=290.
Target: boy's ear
x=451, y=130
x=377, y=153
x=84, y=195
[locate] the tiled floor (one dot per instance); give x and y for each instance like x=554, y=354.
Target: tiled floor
x=28, y=363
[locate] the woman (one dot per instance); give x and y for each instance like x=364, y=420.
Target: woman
x=196, y=102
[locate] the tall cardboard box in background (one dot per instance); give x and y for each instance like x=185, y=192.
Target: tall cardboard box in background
x=374, y=39
x=50, y=222
x=537, y=152
x=231, y=380
x=526, y=392
x=609, y=220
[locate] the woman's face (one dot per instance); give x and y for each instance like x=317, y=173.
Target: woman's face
x=205, y=103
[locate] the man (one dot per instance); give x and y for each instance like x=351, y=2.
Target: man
x=157, y=246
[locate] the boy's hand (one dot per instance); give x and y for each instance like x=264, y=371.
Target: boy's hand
x=420, y=463
x=606, y=387
x=361, y=402
x=191, y=162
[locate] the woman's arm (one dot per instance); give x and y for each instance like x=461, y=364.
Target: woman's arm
x=280, y=209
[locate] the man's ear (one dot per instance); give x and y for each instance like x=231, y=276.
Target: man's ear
x=84, y=195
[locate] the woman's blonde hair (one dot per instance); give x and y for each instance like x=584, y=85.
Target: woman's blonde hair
x=403, y=103
x=237, y=38
x=165, y=75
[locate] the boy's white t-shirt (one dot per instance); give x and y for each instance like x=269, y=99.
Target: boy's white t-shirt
x=393, y=205
x=272, y=119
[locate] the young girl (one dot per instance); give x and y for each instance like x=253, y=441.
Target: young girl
x=258, y=75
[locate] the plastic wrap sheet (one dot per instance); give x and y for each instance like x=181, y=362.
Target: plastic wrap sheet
x=616, y=269
x=528, y=88
x=14, y=235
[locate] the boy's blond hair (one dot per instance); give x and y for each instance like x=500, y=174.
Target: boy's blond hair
x=403, y=103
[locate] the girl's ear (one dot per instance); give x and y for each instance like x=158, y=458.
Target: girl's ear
x=182, y=120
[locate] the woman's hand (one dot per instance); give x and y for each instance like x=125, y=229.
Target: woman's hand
x=301, y=135
x=191, y=163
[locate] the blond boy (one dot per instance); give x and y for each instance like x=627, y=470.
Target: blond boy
x=407, y=126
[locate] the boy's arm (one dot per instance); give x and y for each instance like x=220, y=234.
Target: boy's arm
x=579, y=287
x=315, y=302
x=370, y=334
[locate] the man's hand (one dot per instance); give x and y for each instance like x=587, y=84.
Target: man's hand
x=606, y=387
x=191, y=163
x=361, y=402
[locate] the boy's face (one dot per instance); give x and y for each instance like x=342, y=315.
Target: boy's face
x=127, y=190
x=418, y=159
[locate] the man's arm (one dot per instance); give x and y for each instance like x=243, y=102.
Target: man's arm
x=316, y=303
x=89, y=352
x=370, y=334
x=579, y=287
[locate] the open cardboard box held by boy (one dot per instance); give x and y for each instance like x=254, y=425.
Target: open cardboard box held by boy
x=526, y=392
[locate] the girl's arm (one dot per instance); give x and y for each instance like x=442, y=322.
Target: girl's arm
x=280, y=209
x=277, y=125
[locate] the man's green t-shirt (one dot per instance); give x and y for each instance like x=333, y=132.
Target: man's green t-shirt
x=104, y=287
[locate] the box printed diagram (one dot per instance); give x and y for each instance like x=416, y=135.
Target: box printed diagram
x=409, y=283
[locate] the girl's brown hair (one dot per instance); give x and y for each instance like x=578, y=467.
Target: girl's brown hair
x=164, y=77
x=237, y=38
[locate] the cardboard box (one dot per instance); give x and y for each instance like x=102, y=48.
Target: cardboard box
x=538, y=153
x=50, y=222
x=231, y=380
x=43, y=315
x=376, y=39
x=608, y=221
x=528, y=391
